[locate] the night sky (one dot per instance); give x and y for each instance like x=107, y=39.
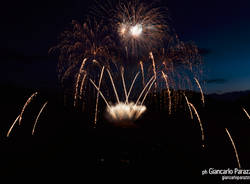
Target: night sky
x=221, y=30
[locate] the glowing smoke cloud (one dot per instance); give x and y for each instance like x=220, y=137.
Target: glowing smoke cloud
x=125, y=112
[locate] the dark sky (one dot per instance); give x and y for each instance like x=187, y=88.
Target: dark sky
x=221, y=28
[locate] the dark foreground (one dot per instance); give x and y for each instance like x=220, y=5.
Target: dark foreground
x=65, y=145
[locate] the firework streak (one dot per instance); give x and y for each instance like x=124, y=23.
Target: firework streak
x=202, y=94
x=44, y=105
x=169, y=92
x=153, y=65
x=235, y=150
x=78, y=79
x=246, y=113
x=25, y=105
x=131, y=86
x=199, y=120
x=142, y=71
x=13, y=124
x=188, y=104
x=97, y=95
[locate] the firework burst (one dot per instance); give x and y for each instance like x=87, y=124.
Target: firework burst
x=124, y=113
x=131, y=34
x=140, y=26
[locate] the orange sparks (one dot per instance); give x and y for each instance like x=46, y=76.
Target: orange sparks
x=144, y=89
x=246, y=112
x=78, y=79
x=44, y=105
x=25, y=105
x=153, y=65
x=199, y=120
x=82, y=84
x=169, y=92
x=202, y=94
x=235, y=150
x=131, y=86
x=142, y=71
x=97, y=95
x=124, y=84
x=112, y=81
x=100, y=93
x=13, y=124
x=190, y=110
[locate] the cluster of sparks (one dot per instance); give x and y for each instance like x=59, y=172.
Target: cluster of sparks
x=123, y=111
x=137, y=33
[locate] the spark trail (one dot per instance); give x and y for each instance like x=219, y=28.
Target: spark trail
x=169, y=92
x=188, y=104
x=25, y=105
x=153, y=65
x=146, y=94
x=246, y=112
x=233, y=144
x=124, y=85
x=131, y=86
x=199, y=120
x=44, y=105
x=78, y=79
x=13, y=124
x=144, y=89
x=97, y=95
x=123, y=112
x=202, y=94
x=82, y=84
x=142, y=72
x=115, y=91
x=100, y=93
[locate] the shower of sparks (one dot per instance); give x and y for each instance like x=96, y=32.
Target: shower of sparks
x=201, y=91
x=25, y=105
x=13, y=124
x=97, y=95
x=140, y=26
x=153, y=65
x=44, y=105
x=132, y=31
x=199, y=120
x=142, y=72
x=125, y=111
x=235, y=150
x=145, y=38
x=169, y=92
x=246, y=112
x=188, y=104
x=78, y=79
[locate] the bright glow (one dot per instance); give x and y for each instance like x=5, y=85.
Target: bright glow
x=122, y=29
x=136, y=30
x=122, y=112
